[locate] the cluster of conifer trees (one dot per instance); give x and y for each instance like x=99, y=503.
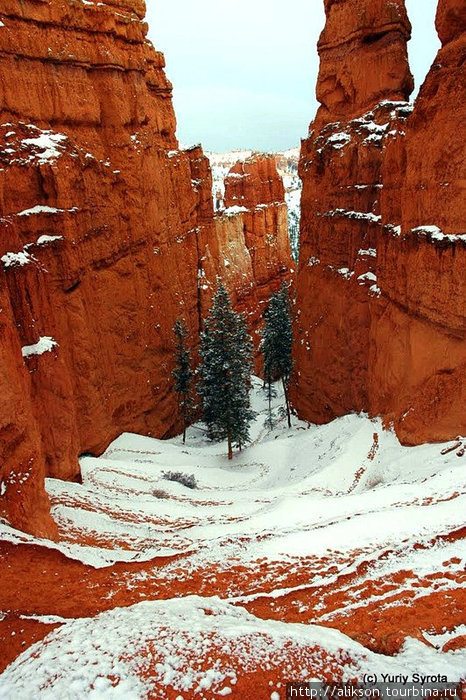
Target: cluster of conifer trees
x=226, y=364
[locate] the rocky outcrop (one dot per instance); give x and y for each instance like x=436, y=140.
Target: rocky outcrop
x=252, y=234
x=381, y=297
x=253, y=182
x=340, y=166
x=363, y=57
x=98, y=213
x=451, y=21
x=419, y=378
x=105, y=225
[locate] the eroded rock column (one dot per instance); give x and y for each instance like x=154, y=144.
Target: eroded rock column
x=364, y=82
x=381, y=286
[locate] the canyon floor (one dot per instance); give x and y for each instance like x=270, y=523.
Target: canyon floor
x=320, y=552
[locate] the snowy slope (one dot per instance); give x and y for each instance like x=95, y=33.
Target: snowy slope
x=308, y=528
x=148, y=648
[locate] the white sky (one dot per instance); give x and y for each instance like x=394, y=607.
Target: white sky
x=244, y=71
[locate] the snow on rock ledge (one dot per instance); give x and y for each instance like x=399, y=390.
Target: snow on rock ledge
x=434, y=233
x=232, y=211
x=40, y=146
x=45, y=344
x=356, y=215
x=17, y=259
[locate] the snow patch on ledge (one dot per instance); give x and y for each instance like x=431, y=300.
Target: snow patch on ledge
x=231, y=211
x=367, y=277
x=356, y=215
x=48, y=143
x=24, y=257
x=44, y=240
x=17, y=259
x=343, y=271
x=395, y=230
x=398, y=106
x=45, y=344
x=436, y=234
x=237, y=175
x=44, y=209
x=339, y=140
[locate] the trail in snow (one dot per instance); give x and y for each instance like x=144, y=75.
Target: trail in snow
x=309, y=527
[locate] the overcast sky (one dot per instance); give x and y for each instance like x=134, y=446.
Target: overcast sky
x=244, y=71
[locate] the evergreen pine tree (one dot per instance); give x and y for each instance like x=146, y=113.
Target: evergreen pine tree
x=183, y=374
x=277, y=338
x=225, y=373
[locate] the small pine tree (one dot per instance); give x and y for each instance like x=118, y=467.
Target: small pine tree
x=225, y=373
x=183, y=374
x=277, y=338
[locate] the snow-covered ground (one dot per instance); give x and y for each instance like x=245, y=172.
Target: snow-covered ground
x=112, y=655
x=300, y=511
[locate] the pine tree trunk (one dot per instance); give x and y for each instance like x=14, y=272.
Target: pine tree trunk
x=287, y=403
x=270, y=404
x=184, y=434
x=230, y=449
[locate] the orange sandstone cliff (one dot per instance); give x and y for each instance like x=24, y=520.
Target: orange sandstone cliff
x=381, y=317
x=246, y=243
x=418, y=353
x=105, y=226
x=252, y=232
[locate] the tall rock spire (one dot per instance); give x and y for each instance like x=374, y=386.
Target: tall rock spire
x=363, y=57
x=363, y=83
x=381, y=321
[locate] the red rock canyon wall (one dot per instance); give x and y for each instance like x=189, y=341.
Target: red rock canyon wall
x=255, y=219
x=381, y=318
x=105, y=227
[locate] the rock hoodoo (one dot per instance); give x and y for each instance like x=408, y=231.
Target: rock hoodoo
x=381, y=317
x=253, y=230
x=363, y=57
x=246, y=243
x=421, y=265
x=105, y=226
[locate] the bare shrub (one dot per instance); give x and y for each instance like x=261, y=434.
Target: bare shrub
x=187, y=480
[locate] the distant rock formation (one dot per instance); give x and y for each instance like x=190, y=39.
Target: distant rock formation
x=381, y=317
x=105, y=229
x=287, y=167
x=252, y=233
